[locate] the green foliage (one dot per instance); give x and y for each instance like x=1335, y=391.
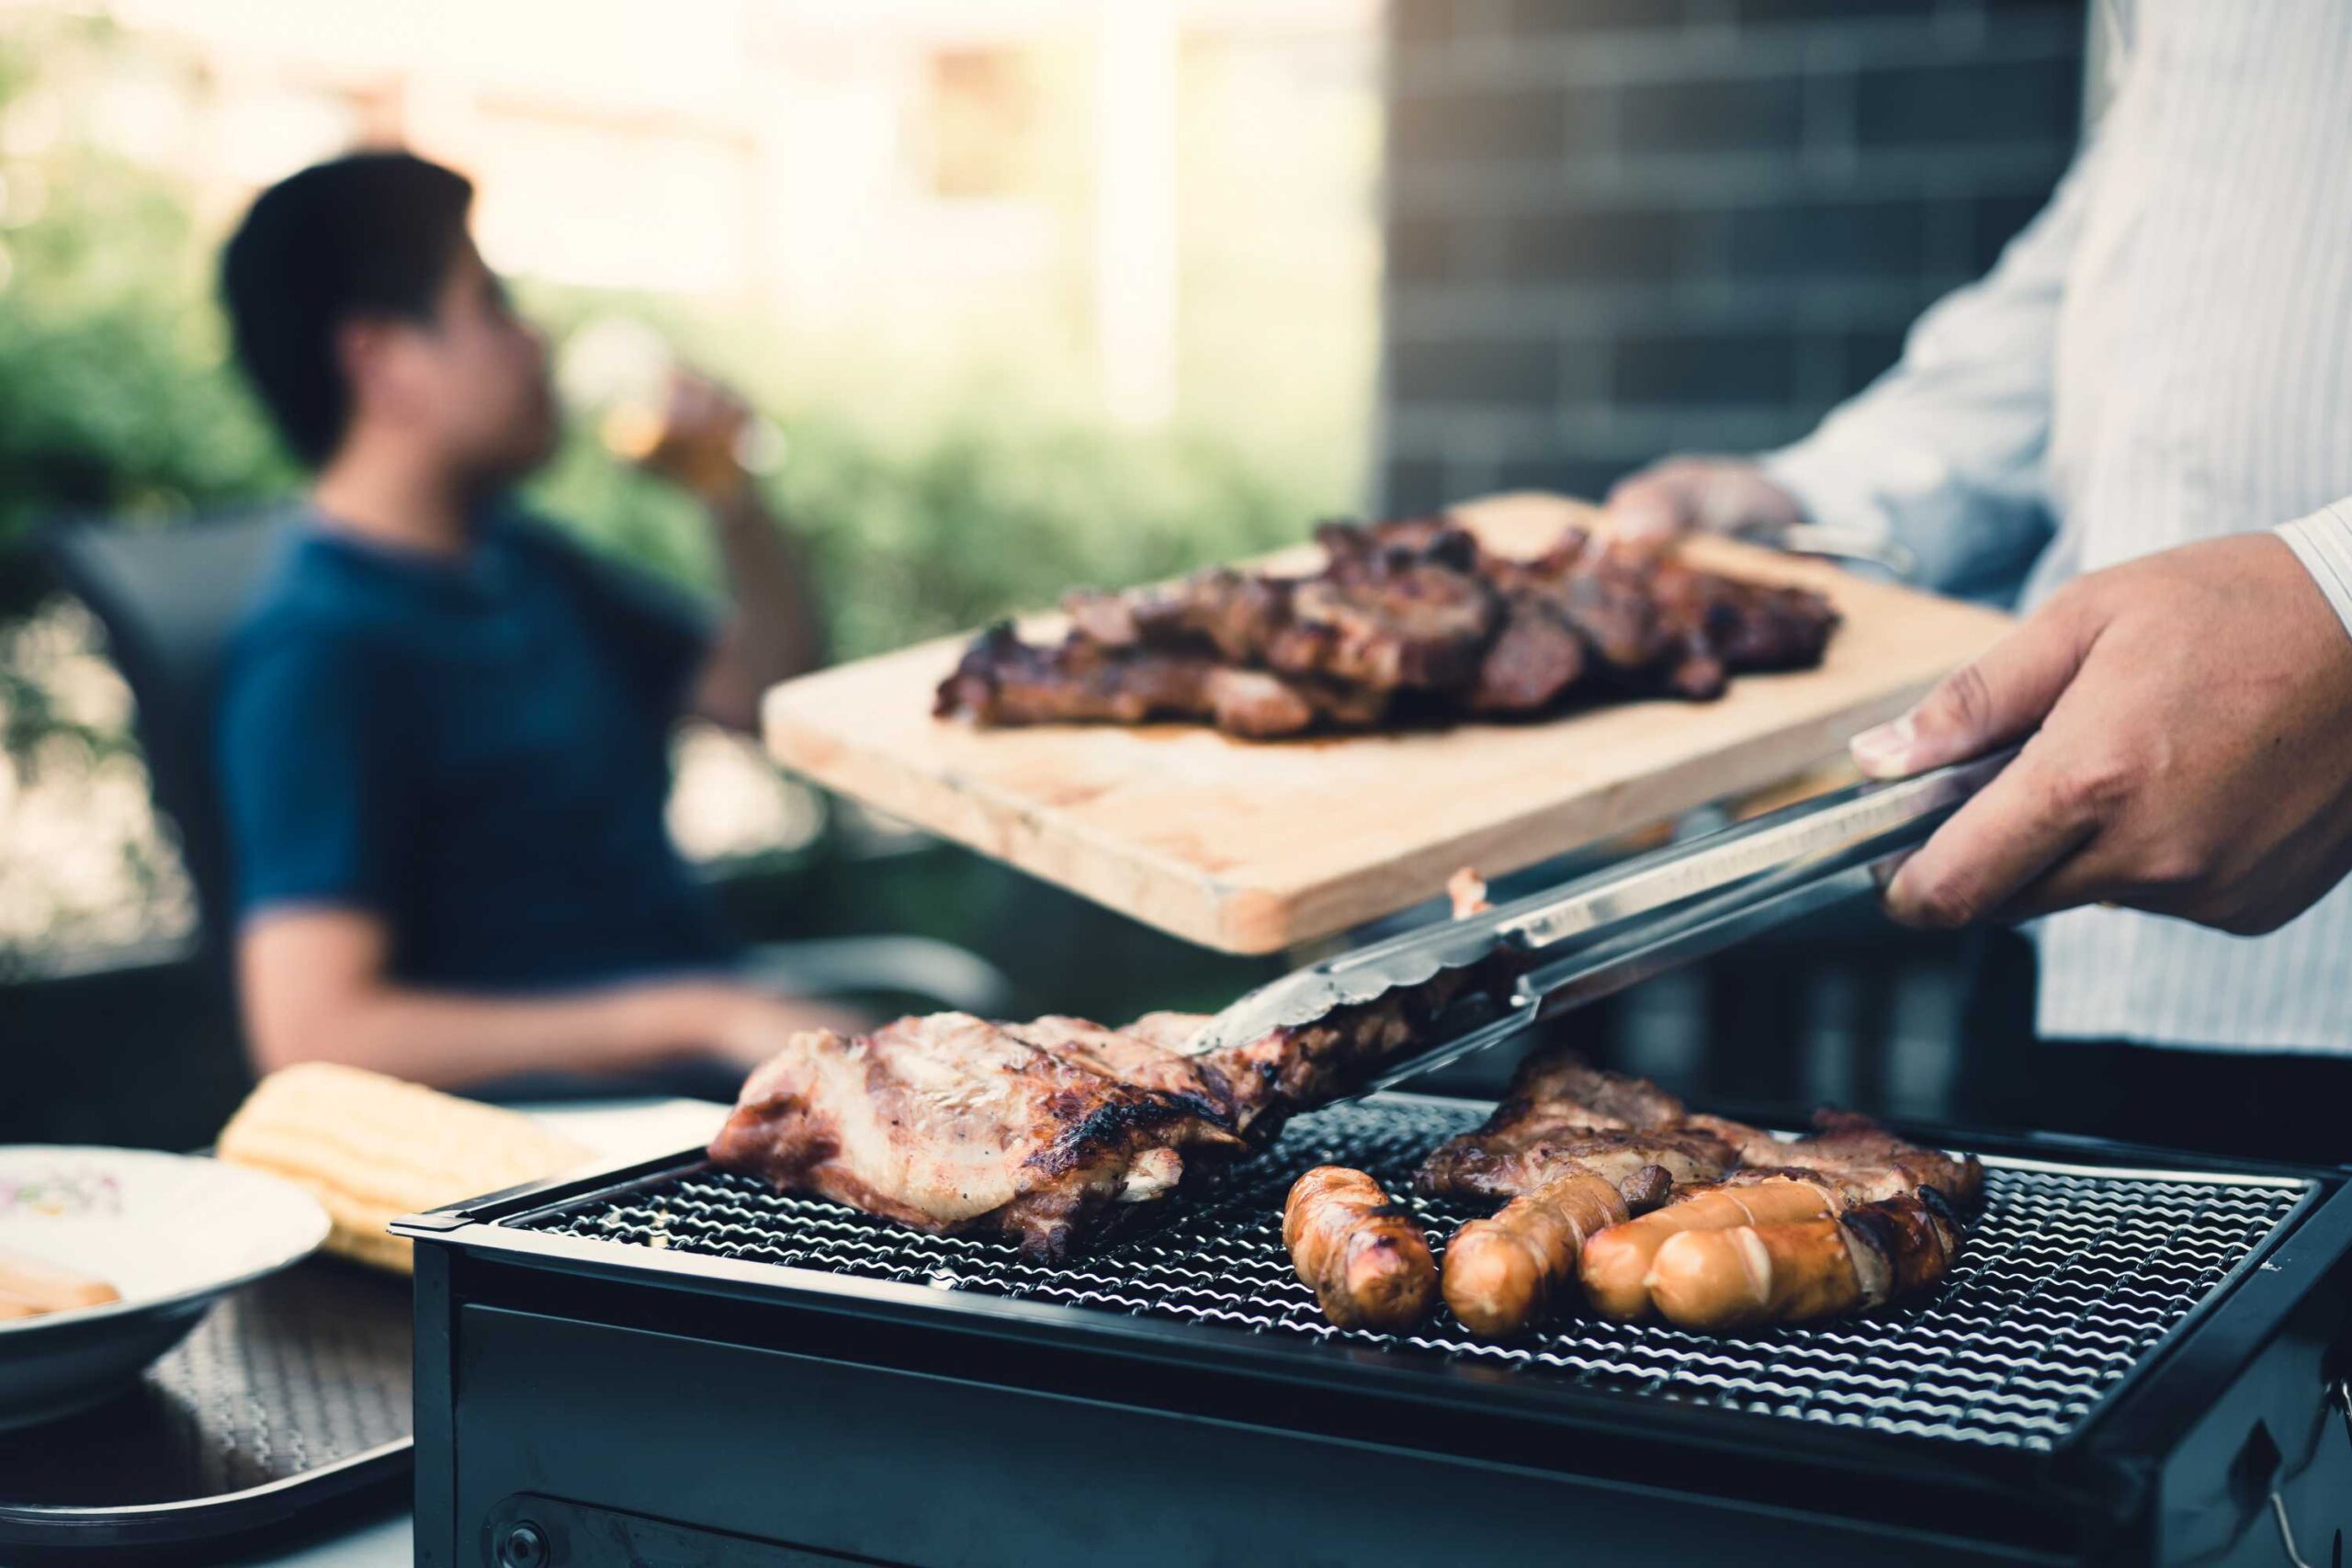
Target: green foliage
x=115, y=391
x=987, y=513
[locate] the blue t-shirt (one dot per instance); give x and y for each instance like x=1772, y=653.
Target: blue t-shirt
x=476, y=751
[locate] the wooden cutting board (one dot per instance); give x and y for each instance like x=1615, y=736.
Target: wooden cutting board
x=1251, y=847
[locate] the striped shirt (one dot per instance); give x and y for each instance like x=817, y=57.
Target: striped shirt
x=2164, y=355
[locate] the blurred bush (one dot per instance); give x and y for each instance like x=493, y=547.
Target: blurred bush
x=988, y=511
x=115, y=394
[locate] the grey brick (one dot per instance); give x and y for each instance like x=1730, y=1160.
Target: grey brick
x=1834, y=238
x=1676, y=117
x=1588, y=478
x=1540, y=124
x=1424, y=21
x=1475, y=370
x=1542, y=17
x=1416, y=484
x=1863, y=356
x=1594, y=242
x=1620, y=228
x=2035, y=100
x=1706, y=368
x=1830, y=10
x=1419, y=250
x=1997, y=220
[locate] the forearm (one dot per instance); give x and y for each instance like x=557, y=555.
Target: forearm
x=777, y=629
x=450, y=1039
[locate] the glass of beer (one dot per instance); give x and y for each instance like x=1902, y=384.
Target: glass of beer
x=617, y=372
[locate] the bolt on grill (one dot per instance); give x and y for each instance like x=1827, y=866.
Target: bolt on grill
x=2069, y=1278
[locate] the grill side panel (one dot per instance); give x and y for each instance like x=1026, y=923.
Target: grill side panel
x=831, y=1454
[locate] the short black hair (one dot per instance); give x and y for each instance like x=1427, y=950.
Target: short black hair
x=370, y=234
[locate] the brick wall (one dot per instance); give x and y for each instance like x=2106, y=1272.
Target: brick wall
x=1618, y=228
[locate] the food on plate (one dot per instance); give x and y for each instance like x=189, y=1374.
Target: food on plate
x=1615, y=1265
x=1504, y=1273
x=1362, y=1255
x=32, y=1287
x=1799, y=1270
x=1041, y=1130
x=371, y=1148
x=1405, y=621
x=1560, y=1113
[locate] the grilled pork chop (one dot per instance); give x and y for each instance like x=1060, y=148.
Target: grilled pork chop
x=1853, y=1155
x=1561, y=1112
x=1510, y=1163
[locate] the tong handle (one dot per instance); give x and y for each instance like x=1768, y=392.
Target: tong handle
x=1825, y=850
x=1858, y=815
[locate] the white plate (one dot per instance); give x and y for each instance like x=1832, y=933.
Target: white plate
x=172, y=1233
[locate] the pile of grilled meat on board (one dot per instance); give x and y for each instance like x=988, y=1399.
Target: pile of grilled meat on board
x=1046, y=1131
x=1406, y=620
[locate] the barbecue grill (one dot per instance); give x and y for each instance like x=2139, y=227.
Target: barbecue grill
x=2140, y=1358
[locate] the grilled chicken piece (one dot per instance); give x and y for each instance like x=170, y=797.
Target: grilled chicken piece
x=1484, y=1165
x=1561, y=1112
x=1853, y=1155
x=951, y=1124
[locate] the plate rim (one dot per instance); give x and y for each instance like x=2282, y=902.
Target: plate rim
x=194, y=1294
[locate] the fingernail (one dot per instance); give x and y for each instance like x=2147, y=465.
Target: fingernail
x=1884, y=753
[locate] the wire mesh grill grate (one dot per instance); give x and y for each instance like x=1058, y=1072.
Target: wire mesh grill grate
x=2068, y=1279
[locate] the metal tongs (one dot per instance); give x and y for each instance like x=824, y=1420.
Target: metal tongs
x=1543, y=955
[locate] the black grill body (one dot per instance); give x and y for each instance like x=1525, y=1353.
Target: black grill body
x=2138, y=1361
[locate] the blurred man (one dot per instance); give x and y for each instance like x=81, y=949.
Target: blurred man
x=2161, y=364
x=444, y=730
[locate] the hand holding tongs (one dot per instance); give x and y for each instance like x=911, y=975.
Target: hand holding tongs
x=1602, y=932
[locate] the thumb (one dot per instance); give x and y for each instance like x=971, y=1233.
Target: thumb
x=2003, y=694
x=1658, y=502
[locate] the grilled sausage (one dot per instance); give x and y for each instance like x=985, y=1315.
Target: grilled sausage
x=33, y=1286
x=1363, y=1256
x=1616, y=1263
x=1503, y=1274
x=1795, y=1271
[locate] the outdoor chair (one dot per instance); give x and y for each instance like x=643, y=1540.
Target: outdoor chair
x=169, y=598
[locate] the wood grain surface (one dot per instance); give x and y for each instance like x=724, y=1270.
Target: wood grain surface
x=1250, y=846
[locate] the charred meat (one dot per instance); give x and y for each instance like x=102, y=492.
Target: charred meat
x=953, y=1124
x=1041, y=1130
x=1410, y=617
x=1560, y=1112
